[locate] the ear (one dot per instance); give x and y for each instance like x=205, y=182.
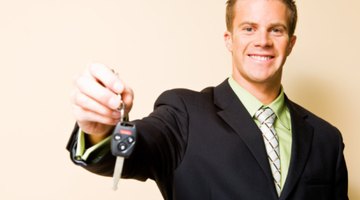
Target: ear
x=291, y=44
x=228, y=40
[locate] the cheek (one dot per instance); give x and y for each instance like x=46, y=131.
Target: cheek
x=283, y=47
x=239, y=46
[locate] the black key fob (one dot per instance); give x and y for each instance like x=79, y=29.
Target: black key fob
x=123, y=139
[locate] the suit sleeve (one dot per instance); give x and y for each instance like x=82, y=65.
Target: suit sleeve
x=160, y=145
x=341, y=182
x=162, y=138
x=99, y=163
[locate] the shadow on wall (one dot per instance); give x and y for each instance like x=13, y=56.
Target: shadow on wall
x=354, y=193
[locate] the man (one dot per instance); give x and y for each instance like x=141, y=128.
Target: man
x=243, y=139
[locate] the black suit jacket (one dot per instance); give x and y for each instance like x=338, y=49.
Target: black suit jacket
x=205, y=145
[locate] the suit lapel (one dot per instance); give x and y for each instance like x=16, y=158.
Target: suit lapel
x=301, y=146
x=237, y=117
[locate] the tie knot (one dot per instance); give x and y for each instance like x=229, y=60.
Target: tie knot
x=265, y=116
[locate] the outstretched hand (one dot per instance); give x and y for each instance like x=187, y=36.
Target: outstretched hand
x=95, y=100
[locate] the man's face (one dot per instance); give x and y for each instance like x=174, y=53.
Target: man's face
x=259, y=42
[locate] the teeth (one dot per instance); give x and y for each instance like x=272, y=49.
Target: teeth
x=261, y=58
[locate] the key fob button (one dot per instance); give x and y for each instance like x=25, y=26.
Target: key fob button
x=122, y=146
x=117, y=137
x=130, y=139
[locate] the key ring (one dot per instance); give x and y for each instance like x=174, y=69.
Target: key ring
x=121, y=108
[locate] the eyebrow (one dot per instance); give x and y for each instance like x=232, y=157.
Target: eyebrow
x=246, y=23
x=279, y=24
x=271, y=24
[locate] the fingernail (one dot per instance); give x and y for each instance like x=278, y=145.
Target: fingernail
x=114, y=102
x=118, y=87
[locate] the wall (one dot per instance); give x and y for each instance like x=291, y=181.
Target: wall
x=155, y=45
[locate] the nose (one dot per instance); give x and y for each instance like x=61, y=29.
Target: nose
x=263, y=39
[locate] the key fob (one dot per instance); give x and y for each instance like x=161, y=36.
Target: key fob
x=123, y=139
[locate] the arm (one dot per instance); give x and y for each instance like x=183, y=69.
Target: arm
x=161, y=143
x=341, y=182
x=161, y=136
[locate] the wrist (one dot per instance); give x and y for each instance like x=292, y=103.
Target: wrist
x=93, y=139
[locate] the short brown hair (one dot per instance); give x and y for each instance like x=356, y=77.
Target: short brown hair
x=289, y=3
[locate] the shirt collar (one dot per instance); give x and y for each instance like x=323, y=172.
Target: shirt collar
x=252, y=104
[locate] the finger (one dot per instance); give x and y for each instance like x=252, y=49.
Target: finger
x=90, y=104
x=83, y=115
x=97, y=92
x=107, y=77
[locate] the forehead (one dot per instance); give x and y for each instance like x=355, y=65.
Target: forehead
x=261, y=11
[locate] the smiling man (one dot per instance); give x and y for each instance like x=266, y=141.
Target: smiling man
x=243, y=139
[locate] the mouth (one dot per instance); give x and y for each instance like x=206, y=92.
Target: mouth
x=261, y=58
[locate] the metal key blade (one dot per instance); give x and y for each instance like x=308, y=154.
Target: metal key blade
x=119, y=160
x=117, y=171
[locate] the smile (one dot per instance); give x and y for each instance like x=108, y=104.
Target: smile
x=261, y=57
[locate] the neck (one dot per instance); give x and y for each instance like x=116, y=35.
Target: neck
x=264, y=92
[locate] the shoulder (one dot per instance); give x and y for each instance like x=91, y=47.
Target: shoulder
x=185, y=96
x=209, y=96
x=320, y=125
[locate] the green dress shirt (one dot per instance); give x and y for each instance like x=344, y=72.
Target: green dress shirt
x=282, y=126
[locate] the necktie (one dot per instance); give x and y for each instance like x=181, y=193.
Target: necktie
x=266, y=118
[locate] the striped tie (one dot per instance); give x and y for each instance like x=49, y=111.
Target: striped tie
x=266, y=118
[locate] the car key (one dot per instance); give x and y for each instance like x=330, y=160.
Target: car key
x=122, y=143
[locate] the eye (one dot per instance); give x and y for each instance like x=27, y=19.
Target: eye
x=248, y=29
x=278, y=31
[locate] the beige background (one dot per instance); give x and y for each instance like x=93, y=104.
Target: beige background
x=155, y=45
